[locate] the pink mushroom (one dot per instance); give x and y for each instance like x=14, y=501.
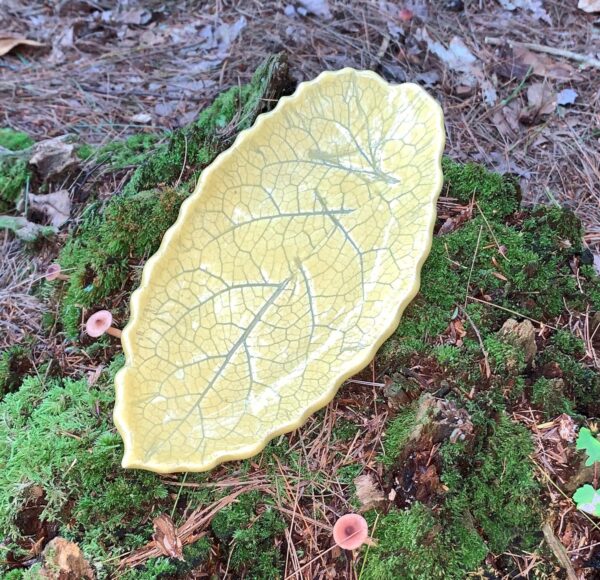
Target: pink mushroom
x=99, y=323
x=53, y=273
x=351, y=531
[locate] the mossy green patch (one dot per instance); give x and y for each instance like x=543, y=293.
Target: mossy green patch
x=56, y=436
x=495, y=483
x=251, y=534
x=491, y=503
x=397, y=433
x=194, y=556
x=14, y=172
x=14, y=364
x=504, y=262
x=412, y=545
x=14, y=140
x=500, y=264
x=130, y=152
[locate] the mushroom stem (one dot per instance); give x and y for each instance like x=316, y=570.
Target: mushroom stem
x=62, y=277
x=113, y=332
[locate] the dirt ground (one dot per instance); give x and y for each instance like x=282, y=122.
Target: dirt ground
x=105, y=68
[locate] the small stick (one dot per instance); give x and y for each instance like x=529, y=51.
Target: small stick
x=512, y=312
x=582, y=58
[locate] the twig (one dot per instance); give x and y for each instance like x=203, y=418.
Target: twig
x=559, y=551
x=512, y=312
x=488, y=370
x=473, y=265
x=582, y=58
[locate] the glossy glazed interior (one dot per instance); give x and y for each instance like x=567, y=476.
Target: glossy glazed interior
x=287, y=268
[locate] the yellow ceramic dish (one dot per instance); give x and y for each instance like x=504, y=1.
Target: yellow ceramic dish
x=286, y=270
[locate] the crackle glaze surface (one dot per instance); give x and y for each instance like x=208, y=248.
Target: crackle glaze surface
x=285, y=271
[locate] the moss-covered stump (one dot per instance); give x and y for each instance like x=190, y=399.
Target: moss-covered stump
x=506, y=297
x=487, y=333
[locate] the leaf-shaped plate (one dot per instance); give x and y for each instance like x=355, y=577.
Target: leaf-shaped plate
x=286, y=270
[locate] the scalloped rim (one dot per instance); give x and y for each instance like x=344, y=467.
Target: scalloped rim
x=119, y=413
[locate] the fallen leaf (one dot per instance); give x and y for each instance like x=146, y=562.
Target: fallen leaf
x=57, y=206
x=63, y=560
x=536, y=8
x=428, y=78
x=541, y=102
x=459, y=58
x=454, y=222
x=319, y=8
x=566, y=97
x=142, y=118
x=566, y=428
x=24, y=229
x=165, y=536
x=597, y=263
x=8, y=42
x=368, y=492
x=137, y=17
x=589, y=5
x=52, y=157
x=545, y=66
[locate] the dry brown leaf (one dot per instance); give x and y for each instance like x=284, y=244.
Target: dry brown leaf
x=53, y=156
x=368, y=492
x=165, y=536
x=8, y=42
x=589, y=5
x=56, y=206
x=542, y=102
x=546, y=66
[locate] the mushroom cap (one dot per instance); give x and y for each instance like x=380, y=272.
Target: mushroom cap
x=350, y=531
x=52, y=272
x=98, y=323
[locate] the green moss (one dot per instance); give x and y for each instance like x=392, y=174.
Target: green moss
x=14, y=172
x=519, y=264
x=14, y=140
x=396, y=434
x=497, y=196
x=251, y=533
x=491, y=502
x=194, y=555
x=549, y=397
x=568, y=343
x=413, y=545
x=345, y=430
x=56, y=435
x=13, y=178
x=505, y=358
x=495, y=484
x=85, y=151
x=130, y=152
x=99, y=254
x=14, y=363
x=581, y=383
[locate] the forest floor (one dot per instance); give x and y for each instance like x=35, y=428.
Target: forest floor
x=126, y=83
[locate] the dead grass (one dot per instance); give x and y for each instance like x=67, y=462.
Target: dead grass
x=20, y=312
